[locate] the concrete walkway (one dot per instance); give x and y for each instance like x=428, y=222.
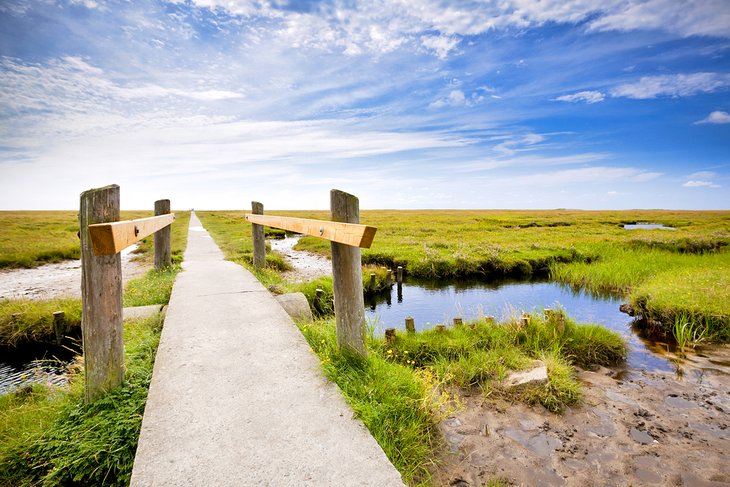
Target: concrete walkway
x=238, y=399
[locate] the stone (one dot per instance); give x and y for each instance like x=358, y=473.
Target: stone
x=297, y=306
x=137, y=312
x=536, y=376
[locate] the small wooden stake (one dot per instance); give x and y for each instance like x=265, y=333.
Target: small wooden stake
x=59, y=325
x=390, y=336
x=347, y=278
x=489, y=319
x=318, y=293
x=410, y=324
x=163, y=254
x=399, y=274
x=389, y=278
x=372, y=283
x=440, y=328
x=458, y=322
x=257, y=235
x=102, y=330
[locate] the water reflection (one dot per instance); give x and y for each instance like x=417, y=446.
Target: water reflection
x=433, y=302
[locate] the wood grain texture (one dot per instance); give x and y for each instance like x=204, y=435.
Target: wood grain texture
x=257, y=235
x=345, y=233
x=111, y=237
x=101, y=295
x=163, y=252
x=347, y=278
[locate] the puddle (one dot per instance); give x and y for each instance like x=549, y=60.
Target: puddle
x=646, y=226
x=36, y=372
x=641, y=436
x=540, y=444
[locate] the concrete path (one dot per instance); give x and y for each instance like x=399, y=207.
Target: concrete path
x=238, y=399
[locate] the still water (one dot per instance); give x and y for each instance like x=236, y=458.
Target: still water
x=431, y=303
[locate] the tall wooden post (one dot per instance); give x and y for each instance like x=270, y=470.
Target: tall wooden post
x=102, y=330
x=163, y=254
x=257, y=235
x=347, y=278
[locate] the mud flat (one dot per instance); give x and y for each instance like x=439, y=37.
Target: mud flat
x=632, y=428
x=58, y=280
x=306, y=266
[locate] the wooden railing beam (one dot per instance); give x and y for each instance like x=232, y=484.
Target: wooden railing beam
x=351, y=234
x=113, y=237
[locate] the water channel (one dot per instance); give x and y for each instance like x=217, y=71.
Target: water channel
x=431, y=303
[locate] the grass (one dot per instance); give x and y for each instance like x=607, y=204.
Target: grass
x=662, y=272
x=49, y=437
x=402, y=390
x=24, y=321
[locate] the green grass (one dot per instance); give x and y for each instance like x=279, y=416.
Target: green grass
x=662, y=272
x=24, y=321
x=402, y=390
x=49, y=437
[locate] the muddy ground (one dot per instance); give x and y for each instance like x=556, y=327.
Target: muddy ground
x=306, y=266
x=58, y=280
x=632, y=428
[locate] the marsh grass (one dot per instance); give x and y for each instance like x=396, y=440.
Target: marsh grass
x=49, y=437
x=402, y=390
x=687, y=332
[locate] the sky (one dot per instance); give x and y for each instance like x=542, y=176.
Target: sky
x=589, y=104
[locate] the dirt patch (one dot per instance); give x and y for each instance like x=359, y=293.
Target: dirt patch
x=632, y=428
x=306, y=266
x=58, y=280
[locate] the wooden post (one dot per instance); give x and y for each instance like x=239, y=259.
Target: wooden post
x=390, y=336
x=410, y=324
x=318, y=293
x=101, y=296
x=440, y=328
x=372, y=283
x=399, y=274
x=389, y=278
x=59, y=325
x=347, y=278
x=257, y=235
x=163, y=254
x=458, y=322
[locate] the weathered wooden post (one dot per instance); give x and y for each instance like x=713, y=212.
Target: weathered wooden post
x=410, y=324
x=389, y=278
x=390, y=336
x=347, y=278
x=163, y=254
x=257, y=235
x=458, y=322
x=59, y=325
x=373, y=283
x=101, y=296
x=399, y=274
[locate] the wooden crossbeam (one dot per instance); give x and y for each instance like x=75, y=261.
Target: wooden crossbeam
x=110, y=238
x=344, y=233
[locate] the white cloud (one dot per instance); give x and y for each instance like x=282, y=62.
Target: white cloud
x=441, y=45
x=702, y=175
x=589, y=97
x=716, y=117
x=457, y=98
x=597, y=174
x=700, y=184
x=673, y=85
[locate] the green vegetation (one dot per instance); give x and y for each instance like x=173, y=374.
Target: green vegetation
x=402, y=390
x=49, y=437
x=663, y=272
x=24, y=321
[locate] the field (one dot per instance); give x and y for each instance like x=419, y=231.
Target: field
x=665, y=274
x=31, y=321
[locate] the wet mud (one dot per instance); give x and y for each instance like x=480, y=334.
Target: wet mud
x=58, y=280
x=632, y=428
x=306, y=266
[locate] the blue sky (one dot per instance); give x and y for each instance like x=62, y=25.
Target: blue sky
x=593, y=104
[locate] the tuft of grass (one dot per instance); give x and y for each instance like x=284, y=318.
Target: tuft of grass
x=38, y=424
x=154, y=287
x=687, y=333
x=25, y=321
